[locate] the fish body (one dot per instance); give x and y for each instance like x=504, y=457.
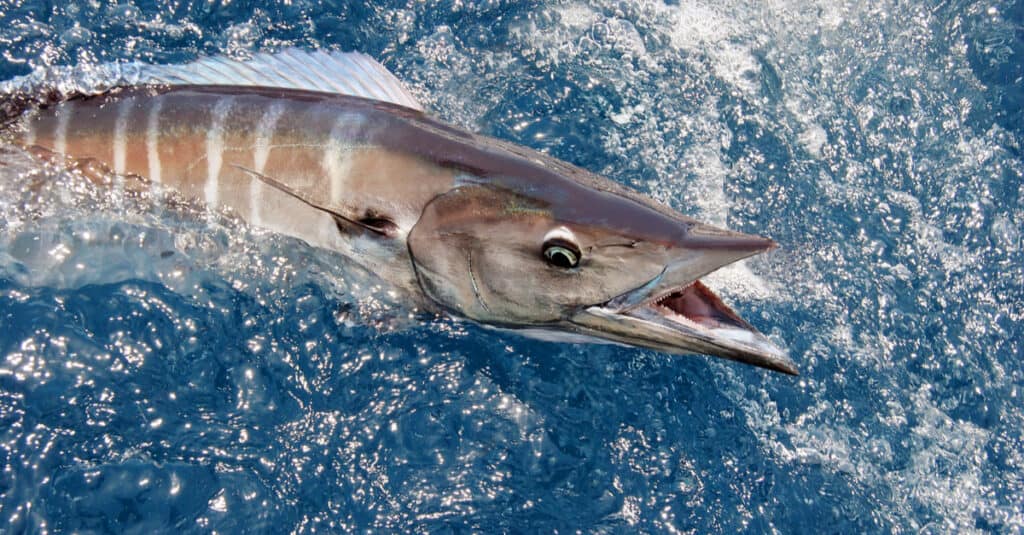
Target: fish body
x=457, y=222
x=217, y=143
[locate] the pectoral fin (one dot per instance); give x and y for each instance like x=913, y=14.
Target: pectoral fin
x=375, y=223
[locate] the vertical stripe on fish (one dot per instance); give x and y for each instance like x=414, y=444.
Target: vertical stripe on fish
x=120, y=140
x=260, y=152
x=60, y=130
x=29, y=133
x=215, y=149
x=153, y=139
x=337, y=157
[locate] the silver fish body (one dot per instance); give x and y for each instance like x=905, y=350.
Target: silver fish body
x=458, y=222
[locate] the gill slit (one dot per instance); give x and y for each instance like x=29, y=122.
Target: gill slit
x=472, y=281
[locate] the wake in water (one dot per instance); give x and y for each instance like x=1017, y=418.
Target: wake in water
x=63, y=231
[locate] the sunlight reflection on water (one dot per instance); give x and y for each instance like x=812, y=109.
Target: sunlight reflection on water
x=165, y=366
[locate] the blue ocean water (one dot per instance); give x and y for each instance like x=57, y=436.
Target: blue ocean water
x=166, y=368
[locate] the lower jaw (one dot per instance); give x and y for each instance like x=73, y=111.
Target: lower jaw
x=656, y=327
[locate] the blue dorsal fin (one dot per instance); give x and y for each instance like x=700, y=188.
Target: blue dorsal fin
x=343, y=73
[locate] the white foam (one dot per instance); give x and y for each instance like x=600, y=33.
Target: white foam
x=813, y=139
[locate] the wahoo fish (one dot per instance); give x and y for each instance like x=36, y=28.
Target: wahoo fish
x=332, y=149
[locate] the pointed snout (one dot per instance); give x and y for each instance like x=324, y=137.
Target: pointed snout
x=700, y=251
x=707, y=237
x=674, y=312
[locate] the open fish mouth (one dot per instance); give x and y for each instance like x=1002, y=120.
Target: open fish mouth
x=683, y=319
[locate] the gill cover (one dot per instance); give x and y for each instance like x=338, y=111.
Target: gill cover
x=478, y=251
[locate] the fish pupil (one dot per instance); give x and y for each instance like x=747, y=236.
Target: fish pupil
x=562, y=253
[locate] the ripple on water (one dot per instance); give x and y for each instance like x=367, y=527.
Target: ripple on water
x=165, y=365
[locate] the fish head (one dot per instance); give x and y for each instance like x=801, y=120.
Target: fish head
x=575, y=261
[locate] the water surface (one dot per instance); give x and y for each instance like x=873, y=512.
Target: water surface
x=164, y=367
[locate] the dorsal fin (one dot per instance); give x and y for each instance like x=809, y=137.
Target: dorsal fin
x=345, y=73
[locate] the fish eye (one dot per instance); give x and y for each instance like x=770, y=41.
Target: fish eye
x=562, y=253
